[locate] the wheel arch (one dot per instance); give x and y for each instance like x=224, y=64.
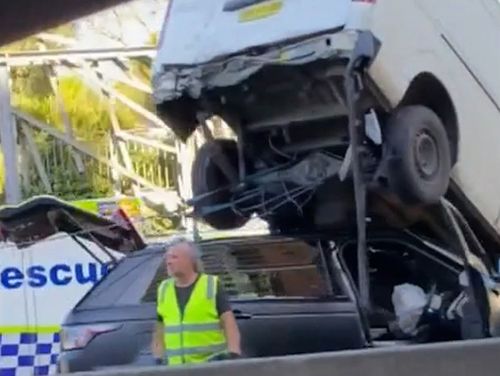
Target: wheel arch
x=427, y=90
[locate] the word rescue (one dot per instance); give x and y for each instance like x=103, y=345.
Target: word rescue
x=60, y=274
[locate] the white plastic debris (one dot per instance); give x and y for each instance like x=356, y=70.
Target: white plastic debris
x=409, y=302
x=463, y=279
x=372, y=127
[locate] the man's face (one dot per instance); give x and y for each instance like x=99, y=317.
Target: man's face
x=179, y=260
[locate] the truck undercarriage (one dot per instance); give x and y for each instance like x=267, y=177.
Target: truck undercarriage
x=292, y=131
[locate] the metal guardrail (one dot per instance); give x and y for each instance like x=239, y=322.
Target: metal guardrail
x=465, y=358
x=24, y=58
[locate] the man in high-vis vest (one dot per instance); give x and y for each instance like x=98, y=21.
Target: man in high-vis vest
x=195, y=320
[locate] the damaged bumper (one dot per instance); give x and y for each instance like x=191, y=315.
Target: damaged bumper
x=173, y=82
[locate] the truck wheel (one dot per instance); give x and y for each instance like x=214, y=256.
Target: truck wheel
x=209, y=174
x=417, y=152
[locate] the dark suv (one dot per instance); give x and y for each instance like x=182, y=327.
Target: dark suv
x=276, y=284
x=291, y=295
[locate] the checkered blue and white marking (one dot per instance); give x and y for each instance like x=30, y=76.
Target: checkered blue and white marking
x=28, y=354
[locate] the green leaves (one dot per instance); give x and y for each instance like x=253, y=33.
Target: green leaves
x=90, y=120
x=87, y=110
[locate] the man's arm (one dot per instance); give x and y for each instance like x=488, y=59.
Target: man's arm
x=228, y=321
x=157, y=345
x=231, y=331
x=157, y=342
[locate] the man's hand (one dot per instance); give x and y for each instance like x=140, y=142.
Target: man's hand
x=232, y=333
x=158, y=361
x=157, y=346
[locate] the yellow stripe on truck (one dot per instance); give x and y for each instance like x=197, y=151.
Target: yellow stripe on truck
x=260, y=11
x=29, y=329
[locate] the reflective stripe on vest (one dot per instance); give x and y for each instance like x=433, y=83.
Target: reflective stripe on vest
x=195, y=350
x=191, y=327
x=196, y=335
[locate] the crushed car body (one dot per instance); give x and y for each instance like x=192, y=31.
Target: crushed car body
x=422, y=291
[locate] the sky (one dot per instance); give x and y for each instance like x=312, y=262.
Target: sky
x=127, y=22
x=130, y=24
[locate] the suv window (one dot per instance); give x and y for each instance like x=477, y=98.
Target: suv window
x=285, y=268
x=125, y=284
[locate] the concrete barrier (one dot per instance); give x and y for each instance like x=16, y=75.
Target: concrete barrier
x=467, y=358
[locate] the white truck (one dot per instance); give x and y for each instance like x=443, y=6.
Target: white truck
x=412, y=86
x=51, y=254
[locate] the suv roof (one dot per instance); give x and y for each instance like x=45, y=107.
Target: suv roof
x=238, y=261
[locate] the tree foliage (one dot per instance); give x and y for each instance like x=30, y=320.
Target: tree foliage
x=88, y=111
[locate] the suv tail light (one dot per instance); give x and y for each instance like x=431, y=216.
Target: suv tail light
x=77, y=337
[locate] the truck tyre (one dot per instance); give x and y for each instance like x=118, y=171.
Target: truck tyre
x=208, y=175
x=417, y=153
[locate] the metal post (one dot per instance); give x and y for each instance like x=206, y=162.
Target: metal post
x=113, y=157
x=184, y=161
x=355, y=127
x=8, y=136
x=24, y=163
x=363, y=53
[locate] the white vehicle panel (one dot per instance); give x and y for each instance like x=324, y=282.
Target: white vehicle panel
x=474, y=35
x=457, y=42
x=39, y=285
x=198, y=31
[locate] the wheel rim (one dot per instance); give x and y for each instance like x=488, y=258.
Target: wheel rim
x=426, y=155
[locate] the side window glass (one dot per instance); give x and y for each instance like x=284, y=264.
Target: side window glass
x=160, y=275
x=127, y=284
x=288, y=268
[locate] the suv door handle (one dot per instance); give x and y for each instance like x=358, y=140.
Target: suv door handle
x=234, y=5
x=241, y=315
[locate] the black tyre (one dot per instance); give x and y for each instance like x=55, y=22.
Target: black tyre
x=417, y=152
x=209, y=174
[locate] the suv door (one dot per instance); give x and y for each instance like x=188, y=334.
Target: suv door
x=482, y=282
x=284, y=296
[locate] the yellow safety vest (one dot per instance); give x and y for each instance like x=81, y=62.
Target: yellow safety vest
x=197, y=335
